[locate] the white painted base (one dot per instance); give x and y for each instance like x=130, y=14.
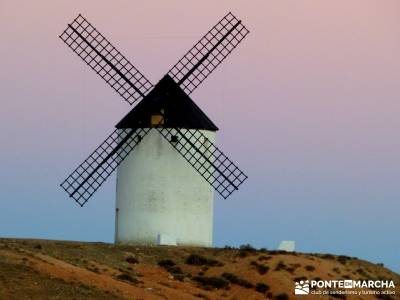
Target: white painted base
x=166, y=240
x=160, y=193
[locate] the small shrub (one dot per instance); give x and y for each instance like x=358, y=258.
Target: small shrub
x=282, y=252
x=262, y=269
x=199, y=295
x=170, y=266
x=309, y=268
x=380, y=264
x=317, y=279
x=290, y=270
x=246, y=284
x=228, y=247
x=38, y=247
x=280, y=266
x=336, y=270
x=293, y=268
x=211, y=282
x=198, y=260
x=362, y=272
x=282, y=296
x=263, y=257
x=166, y=263
x=327, y=256
x=127, y=277
x=297, y=279
x=175, y=270
x=93, y=269
x=131, y=260
x=179, y=277
x=232, y=278
x=262, y=287
x=247, y=247
x=243, y=254
x=343, y=259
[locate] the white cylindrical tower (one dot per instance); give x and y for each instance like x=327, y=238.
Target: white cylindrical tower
x=160, y=195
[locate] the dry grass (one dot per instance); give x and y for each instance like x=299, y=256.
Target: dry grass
x=39, y=269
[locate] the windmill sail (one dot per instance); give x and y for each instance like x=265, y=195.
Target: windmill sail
x=210, y=162
x=201, y=60
x=187, y=74
x=85, y=180
x=96, y=51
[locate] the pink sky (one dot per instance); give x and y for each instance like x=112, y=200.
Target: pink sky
x=308, y=106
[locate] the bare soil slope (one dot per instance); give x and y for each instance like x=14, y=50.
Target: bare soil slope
x=42, y=269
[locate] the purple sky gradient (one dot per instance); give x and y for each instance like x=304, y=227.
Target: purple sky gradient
x=308, y=106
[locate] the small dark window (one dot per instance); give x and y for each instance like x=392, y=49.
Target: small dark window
x=174, y=139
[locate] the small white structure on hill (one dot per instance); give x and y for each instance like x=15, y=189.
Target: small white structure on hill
x=288, y=246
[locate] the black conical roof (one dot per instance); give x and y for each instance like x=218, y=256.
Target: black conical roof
x=178, y=109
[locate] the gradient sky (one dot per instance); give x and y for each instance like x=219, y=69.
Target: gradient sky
x=308, y=107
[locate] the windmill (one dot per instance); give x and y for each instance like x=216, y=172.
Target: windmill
x=167, y=163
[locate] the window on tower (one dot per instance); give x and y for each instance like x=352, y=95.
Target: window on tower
x=157, y=120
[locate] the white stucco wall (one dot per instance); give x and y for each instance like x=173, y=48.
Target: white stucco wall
x=160, y=193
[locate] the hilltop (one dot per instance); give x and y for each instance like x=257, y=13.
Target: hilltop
x=44, y=269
